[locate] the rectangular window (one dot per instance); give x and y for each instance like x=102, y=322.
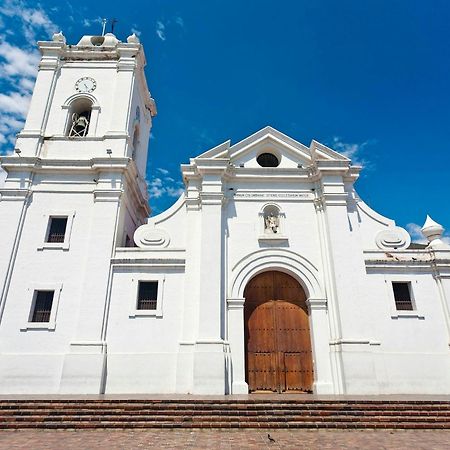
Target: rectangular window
x=402, y=295
x=147, y=295
x=57, y=229
x=42, y=306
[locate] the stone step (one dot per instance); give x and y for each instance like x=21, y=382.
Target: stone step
x=236, y=424
x=231, y=418
x=272, y=413
x=266, y=406
x=102, y=413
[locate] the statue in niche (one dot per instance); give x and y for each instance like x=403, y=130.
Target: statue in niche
x=80, y=125
x=271, y=223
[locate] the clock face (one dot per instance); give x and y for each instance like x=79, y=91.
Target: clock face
x=85, y=84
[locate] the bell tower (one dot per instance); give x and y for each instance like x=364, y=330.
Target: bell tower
x=75, y=191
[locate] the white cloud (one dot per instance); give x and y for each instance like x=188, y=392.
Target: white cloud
x=14, y=103
x=179, y=21
x=353, y=151
x=160, y=30
x=26, y=84
x=164, y=187
x=416, y=234
x=135, y=30
x=32, y=20
x=18, y=64
x=90, y=22
x=18, y=61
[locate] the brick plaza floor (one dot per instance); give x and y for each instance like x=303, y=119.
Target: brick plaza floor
x=225, y=439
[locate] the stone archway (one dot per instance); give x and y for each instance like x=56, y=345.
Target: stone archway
x=278, y=354
x=307, y=275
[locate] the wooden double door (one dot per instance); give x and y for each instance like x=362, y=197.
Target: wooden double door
x=277, y=335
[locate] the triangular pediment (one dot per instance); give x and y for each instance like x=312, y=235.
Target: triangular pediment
x=290, y=152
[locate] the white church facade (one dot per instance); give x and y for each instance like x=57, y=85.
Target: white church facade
x=269, y=274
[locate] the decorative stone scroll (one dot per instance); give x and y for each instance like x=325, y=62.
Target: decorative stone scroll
x=146, y=236
x=392, y=238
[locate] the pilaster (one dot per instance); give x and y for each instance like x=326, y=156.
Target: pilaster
x=210, y=348
x=236, y=338
x=320, y=337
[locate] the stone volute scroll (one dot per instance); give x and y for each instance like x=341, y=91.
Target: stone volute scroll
x=149, y=237
x=393, y=238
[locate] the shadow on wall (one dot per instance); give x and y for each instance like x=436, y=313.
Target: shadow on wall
x=2, y=177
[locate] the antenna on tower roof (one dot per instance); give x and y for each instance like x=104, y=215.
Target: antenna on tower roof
x=104, y=21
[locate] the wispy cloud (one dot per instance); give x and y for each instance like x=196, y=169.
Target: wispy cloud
x=135, y=30
x=18, y=63
x=32, y=20
x=92, y=22
x=162, y=188
x=354, y=151
x=163, y=25
x=415, y=231
x=160, y=30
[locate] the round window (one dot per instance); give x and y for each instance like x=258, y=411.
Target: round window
x=267, y=160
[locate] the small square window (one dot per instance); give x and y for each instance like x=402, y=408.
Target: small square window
x=146, y=299
x=402, y=296
x=57, y=229
x=42, y=306
x=147, y=295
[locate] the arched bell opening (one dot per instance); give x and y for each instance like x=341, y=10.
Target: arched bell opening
x=278, y=353
x=79, y=118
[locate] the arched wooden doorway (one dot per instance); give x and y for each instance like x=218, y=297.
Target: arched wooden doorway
x=278, y=345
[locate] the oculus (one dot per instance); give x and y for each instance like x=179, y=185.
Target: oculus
x=267, y=160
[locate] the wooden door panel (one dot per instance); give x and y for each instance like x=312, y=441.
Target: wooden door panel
x=278, y=344
x=261, y=329
x=298, y=372
x=262, y=371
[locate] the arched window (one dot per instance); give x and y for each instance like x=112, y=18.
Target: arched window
x=135, y=141
x=79, y=118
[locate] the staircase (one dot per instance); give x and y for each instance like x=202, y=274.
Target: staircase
x=223, y=413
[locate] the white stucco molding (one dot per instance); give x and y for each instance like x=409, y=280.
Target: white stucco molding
x=236, y=303
x=284, y=260
x=78, y=96
x=317, y=304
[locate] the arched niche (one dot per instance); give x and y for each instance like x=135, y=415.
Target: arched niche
x=271, y=222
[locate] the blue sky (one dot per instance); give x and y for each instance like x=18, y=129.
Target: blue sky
x=368, y=78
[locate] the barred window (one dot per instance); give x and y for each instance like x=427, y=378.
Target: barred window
x=57, y=229
x=402, y=296
x=42, y=306
x=147, y=295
